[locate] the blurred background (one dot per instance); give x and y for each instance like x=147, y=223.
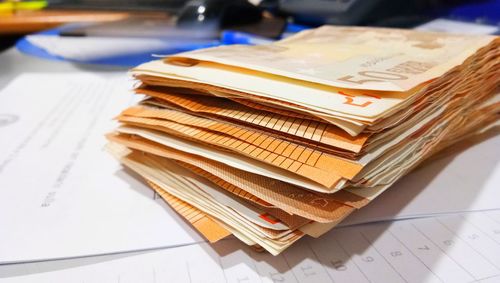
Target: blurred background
x=128, y=32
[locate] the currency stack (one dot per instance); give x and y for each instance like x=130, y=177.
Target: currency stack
x=274, y=142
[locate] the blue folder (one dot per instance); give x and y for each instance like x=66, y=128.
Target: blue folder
x=127, y=60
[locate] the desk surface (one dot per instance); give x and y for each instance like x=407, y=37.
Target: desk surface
x=14, y=63
x=23, y=22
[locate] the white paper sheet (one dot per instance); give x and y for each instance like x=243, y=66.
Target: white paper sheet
x=456, y=248
x=452, y=26
x=95, y=207
x=88, y=48
x=466, y=181
x=61, y=194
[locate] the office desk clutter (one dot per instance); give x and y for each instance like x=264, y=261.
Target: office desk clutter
x=136, y=38
x=274, y=142
x=129, y=50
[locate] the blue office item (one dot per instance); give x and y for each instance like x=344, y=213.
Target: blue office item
x=485, y=12
x=26, y=47
x=126, y=60
x=294, y=28
x=236, y=37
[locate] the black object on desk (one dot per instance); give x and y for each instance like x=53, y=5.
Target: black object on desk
x=394, y=13
x=225, y=13
x=198, y=19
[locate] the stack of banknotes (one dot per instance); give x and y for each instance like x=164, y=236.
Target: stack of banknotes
x=274, y=142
